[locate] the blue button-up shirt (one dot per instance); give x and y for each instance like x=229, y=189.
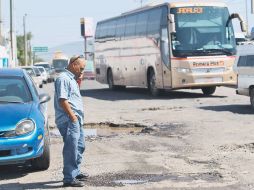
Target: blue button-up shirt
x=67, y=88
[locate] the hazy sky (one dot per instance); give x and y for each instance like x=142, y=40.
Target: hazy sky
x=56, y=22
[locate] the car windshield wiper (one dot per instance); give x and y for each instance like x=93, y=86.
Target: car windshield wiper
x=11, y=102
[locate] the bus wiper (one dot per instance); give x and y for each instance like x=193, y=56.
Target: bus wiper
x=217, y=50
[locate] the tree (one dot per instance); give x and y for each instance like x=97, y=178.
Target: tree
x=21, y=51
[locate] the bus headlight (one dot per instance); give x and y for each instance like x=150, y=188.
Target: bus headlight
x=24, y=127
x=183, y=70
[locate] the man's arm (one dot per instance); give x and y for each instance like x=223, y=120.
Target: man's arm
x=67, y=108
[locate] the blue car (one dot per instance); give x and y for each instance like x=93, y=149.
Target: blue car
x=24, y=131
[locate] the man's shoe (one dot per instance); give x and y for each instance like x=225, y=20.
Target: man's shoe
x=74, y=183
x=82, y=176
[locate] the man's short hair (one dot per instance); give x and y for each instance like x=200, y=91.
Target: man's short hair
x=75, y=58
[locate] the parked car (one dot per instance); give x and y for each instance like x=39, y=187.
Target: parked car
x=35, y=74
x=44, y=74
x=24, y=131
x=89, y=72
x=240, y=38
x=244, y=67
x=50, y=70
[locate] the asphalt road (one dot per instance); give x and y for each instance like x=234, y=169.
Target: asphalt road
x=179, y=140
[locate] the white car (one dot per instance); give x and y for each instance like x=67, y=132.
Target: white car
x=35, y=75
x=44, y=74
x=49, y=69
x=244, y=67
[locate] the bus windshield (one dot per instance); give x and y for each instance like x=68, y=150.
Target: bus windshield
x=60, y=64
x=202, y=31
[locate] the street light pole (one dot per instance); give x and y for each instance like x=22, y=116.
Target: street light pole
x=25, y=39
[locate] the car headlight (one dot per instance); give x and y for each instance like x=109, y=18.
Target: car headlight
x=24, y=127
x=183, y=70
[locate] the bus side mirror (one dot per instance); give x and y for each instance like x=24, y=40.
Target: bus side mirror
x=242, y=23
x=171, y=18
x=243, y=26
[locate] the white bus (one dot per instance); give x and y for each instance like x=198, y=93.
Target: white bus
x=168, y=46
x=60, y=61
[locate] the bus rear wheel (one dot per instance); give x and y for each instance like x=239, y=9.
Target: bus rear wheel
x=154, y=91
x=252, y=98
x=208, y=90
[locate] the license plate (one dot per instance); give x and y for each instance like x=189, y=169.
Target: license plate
x=209, y=80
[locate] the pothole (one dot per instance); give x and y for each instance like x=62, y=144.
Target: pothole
x=177, y=130
x=97, y=130
x=114, y=180
x=232, y=147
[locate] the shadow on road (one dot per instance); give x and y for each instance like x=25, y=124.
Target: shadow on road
x=140, y=93
x=39, y=185
x=14, y=171
x=239, y=109
x=18, y=171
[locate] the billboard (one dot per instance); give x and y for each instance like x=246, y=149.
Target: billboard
x=86, y=25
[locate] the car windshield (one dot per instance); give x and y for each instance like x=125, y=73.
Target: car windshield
x=46, y=66
x=29, y=71
x=37, y=71
x=41, y=70
x=14, y=90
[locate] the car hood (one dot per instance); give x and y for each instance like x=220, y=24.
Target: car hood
x=12, y=113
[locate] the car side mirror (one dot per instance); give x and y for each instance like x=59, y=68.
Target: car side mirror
x=44, y=98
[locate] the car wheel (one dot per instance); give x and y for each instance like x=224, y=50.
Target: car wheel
x=154, y=91
x=43, y=162
x=252, y=98
x=208, y=90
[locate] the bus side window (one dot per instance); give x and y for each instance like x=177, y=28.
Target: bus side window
x=120, y=26
x=165, y=46
x=153, y=28
x=110, y=29
x=130, y=25
x=98, y=30
x=103, y=30
x=141, y=24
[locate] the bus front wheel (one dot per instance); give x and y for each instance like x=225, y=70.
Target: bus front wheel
x=154, y=91
x=208, y=90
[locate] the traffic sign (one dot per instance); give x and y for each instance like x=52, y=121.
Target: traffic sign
x=40, y=49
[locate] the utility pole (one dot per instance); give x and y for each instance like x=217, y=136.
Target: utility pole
x=247, y=23
x=252, y=6
x=1, y=36
x=25, y=39
x=11, y=30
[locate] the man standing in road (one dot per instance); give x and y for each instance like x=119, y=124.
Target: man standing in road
x=69, y=119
